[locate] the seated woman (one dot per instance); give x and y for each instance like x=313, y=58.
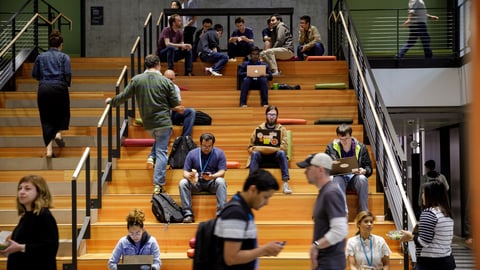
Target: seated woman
x=366, y=250
x=137, y=242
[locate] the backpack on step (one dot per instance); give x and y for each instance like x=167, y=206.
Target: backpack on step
x=202, y=119
x=207, y=248
x=165, y=209
x=180, y=148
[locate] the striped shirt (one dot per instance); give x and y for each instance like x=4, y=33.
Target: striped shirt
x=435, y=234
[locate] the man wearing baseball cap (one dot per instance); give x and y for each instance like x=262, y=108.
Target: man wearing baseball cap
x=329, y=215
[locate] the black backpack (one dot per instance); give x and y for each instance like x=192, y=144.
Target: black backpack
x=207, y=247
x=165, y=209
x=202, y=119
x=180, y=148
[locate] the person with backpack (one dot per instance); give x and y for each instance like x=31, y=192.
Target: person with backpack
x=236, y=229
x=180, y=115
x=430, y=175
x=155, y=96
x=203, y=170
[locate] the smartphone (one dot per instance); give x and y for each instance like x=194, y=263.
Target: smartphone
x=205, y=173
x=283, y=243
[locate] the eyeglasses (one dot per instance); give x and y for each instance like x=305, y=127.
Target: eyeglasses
x=271, y=114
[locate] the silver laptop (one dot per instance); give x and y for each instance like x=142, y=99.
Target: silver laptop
x=344, y=166
x=256, y=70
x=136, y=262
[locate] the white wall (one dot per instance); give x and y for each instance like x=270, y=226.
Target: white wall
x=424, y=87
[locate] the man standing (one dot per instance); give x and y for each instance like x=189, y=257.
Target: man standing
x=260, y=82
x=417, y=23
x=271, y=154
x=209, y=50
x=282, y=47
x=347, y=146
x=329, y=215
x=236, y=228
x=171, y=48
x=204, y=169
x=241, y=41
x=155, y=97
x=179, y=115
x=308, y=39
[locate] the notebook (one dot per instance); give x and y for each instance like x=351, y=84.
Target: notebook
x=268, y=137
x=344, y=166
x=136, y=262
x=256, y=70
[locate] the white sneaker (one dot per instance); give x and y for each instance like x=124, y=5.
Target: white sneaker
x=208, y=70
x=276, y=73
x=286, y=188
x=150, y=162
x=214, y=73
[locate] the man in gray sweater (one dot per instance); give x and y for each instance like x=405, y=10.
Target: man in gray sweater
x=282, y=44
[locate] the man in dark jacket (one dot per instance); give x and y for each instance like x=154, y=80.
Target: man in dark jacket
x=209, y=50
x=260, y=82
x=346, y=146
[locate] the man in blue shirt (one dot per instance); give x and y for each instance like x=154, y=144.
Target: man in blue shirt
x=241, y=41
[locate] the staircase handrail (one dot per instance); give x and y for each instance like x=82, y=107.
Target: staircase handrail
x=30, y=22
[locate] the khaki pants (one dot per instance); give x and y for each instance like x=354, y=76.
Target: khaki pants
x=270, y=56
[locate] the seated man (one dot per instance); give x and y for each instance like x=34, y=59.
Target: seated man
x=272, y=150
x=209, y=50
x=170, y=46
x=308, y=39
x=206, y=24
x=241, y=41
x=267, y=35
x=179, y=115
x=282, y=44
x=260, y=82
x=204, y=169
x=346, y=146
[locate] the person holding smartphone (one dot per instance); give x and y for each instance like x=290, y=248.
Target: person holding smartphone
x=203, y=170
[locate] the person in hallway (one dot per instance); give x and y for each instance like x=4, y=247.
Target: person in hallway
x=417, y=24
x=366, y=249
x=175, y=4
x=209, y=50
x=309, y=42
x=236, y=228
x=170, y=46
x=430, y=174
x=34, y=242
x=206, y=24
x=267, y=35
x=329, y=215
x=155, y=96
x=179, y=115
x=204, y=169
x=282, y=44
x=248, y=82
x=270, y=154
x=137, y=242
x=434, y=232
x=347, y=146
x=52, y=70
x=189, y=22
x=241, y=41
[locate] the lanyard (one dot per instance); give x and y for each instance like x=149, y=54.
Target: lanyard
x=202, y=168
x=365, y=252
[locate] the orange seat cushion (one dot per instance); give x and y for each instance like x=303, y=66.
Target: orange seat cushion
x=292, y=121
x=233, y=165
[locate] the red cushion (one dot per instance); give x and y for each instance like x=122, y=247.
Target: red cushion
x=321, y=58
x=138, y=142
x=291, y=121
x=233, y=165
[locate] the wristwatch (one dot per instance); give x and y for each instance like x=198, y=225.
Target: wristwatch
x=316, y=244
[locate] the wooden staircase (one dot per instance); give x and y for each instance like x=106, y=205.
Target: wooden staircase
x=286, y=218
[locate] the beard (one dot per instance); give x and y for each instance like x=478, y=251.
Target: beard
x=271, y=122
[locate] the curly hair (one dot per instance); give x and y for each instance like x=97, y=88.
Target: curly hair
x=136, y=217
x=44, y=197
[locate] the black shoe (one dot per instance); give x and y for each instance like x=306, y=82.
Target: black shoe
x=188, y=219
x=60, y=142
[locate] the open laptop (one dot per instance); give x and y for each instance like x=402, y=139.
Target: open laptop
x=344, y=166
x=268, y=137
x=136, y=262
x=256, y=70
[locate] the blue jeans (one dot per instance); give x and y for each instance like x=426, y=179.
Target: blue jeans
x=187, y=119
x=417, y=30
x=186, y=188
x=239, y=49
x=171, y=54
x=318, y=50
x=254, y=83
x=357, y=182
x=280, y=159
x=161, y=136
x=219, y=59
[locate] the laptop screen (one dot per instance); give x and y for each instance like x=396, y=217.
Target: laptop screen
x=256, y=70
x=268, y=137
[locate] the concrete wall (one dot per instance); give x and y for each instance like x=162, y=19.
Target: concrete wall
x=124, y=19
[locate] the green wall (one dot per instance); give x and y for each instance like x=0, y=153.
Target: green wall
x=70, y=8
